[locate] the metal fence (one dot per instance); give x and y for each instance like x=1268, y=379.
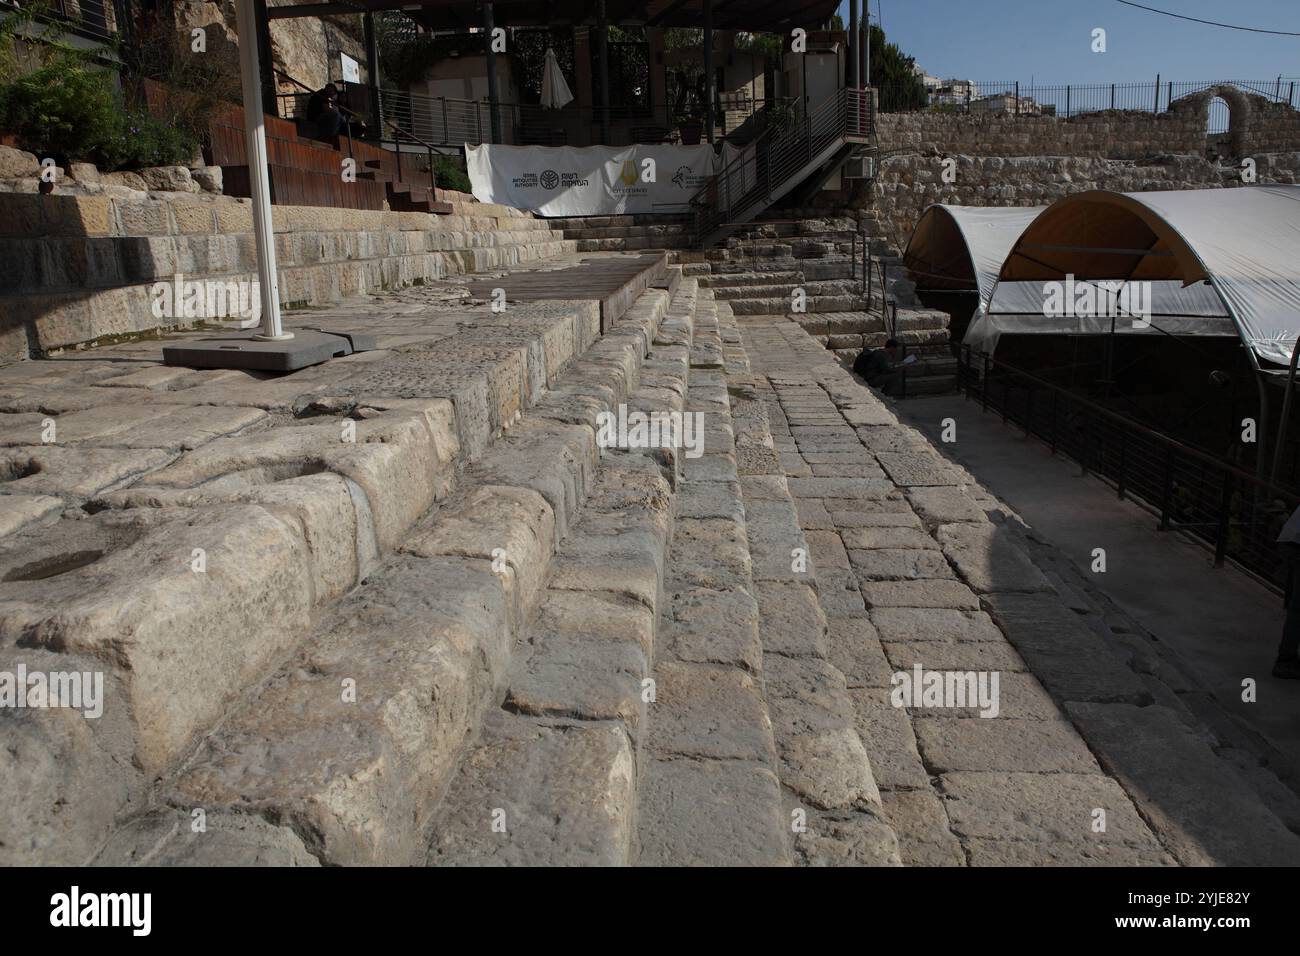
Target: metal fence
x=447, y=120
x=95, y=20
x=1214, y=502
x=1015, y=97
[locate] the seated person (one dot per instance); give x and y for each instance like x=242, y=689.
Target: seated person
x=323, y=110
x=878, y=366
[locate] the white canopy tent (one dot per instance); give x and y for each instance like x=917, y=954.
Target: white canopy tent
x=1219, y=262
x=963, y=247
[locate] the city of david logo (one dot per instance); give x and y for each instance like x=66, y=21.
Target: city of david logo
x=550, y=179
x=628, y=176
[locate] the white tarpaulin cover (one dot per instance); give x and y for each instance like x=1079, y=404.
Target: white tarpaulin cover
x=954, y=241
x=1174, y=309
x=589, y=180
x=1249, y=241
x=1244, y=240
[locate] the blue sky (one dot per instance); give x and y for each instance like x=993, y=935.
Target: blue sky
x=1050, y=39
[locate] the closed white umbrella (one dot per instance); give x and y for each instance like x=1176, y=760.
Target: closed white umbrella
x=555, y=92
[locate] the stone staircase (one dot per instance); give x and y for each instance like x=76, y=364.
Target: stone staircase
x=441, y=620
x=628, y=233
x=528, y=649
x=310, y=500
x=653, y=716
x=758, y=271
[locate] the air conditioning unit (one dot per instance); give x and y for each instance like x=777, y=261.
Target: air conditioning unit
x=860, y=167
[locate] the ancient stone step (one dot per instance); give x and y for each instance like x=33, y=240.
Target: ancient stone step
x=743, y=279
x=831, y=798
x=709, y=792
x=272, y=497
x=427, y=638
x=553, y=777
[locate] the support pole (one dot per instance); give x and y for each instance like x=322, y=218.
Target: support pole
x=494, y=94
x=854, y=41
x=708, y=69
x=602, y=56
x=260, y=187
x=1280, y=441
x=372, y=72
x=262, y=30
x=866, y=43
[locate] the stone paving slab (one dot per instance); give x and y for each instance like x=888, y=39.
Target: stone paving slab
x=1218, y=820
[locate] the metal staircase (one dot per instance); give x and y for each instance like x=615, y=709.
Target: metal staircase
x=783, y=157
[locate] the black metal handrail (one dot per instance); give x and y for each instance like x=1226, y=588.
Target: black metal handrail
x=1213, y=501
x=398, y=130
x=90, y=19
x=775, y=156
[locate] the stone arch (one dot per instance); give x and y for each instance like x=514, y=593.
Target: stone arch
x=1239, y=112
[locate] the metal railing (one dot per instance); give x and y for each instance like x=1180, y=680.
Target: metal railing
x=89, y=19
x=294, y=105
x=1065, y=100
x=1216, y=503
x=450, y=121
x=782, y=151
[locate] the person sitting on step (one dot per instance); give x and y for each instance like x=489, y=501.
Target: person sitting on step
x=879, y=367
x=323, y=110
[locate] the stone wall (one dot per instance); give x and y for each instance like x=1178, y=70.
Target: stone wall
x=1115, y=134
x=1256, y=125
x=83, y=268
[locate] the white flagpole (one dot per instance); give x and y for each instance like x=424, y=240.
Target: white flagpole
x=255, y=149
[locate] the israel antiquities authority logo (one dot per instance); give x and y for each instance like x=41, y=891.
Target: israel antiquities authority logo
x=550, y=179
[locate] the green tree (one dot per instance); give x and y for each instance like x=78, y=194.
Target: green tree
x=892, y=72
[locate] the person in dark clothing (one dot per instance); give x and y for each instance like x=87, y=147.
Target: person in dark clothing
x=323, y=110
x=878, y=368
x=1288, y=651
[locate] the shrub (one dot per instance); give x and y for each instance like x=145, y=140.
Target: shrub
x=65, y=109
x=142, y=139
x=450, y=175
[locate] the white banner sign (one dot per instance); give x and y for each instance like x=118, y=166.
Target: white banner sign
x=590, y=180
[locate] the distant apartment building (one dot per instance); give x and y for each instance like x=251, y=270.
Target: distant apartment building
x=1006, y=102
x=944, y=92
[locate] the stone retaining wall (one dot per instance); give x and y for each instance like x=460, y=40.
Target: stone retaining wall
x=1256, y=125
x=80, y=268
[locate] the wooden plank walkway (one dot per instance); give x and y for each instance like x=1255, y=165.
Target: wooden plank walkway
x=615, y=280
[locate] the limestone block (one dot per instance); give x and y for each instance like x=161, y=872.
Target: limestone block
x=65, y=774
x=241, y=612
x=565, y=790
x=425, y=643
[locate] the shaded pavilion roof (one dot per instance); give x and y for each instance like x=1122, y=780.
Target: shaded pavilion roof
x=762, y=16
